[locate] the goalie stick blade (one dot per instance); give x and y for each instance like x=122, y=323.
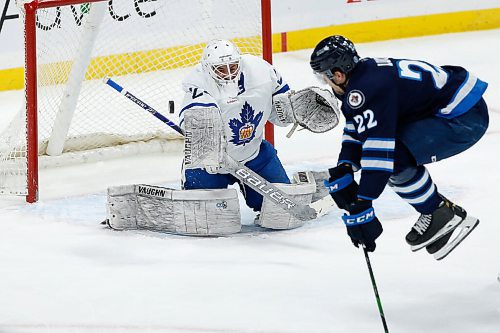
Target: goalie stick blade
x=323, y=206
x=462, y=231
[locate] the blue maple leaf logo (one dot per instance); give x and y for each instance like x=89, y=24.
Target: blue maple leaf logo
x=244, y=128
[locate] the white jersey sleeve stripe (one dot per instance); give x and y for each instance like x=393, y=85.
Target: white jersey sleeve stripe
x=382, y=144
x=349, y=127
x=348, y=138
x=377, y=164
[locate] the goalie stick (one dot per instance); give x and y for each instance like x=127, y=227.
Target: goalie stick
x=145, y=106
x=237, y=169
x=267, y=189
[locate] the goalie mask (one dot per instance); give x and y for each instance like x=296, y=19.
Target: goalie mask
x=222, y=60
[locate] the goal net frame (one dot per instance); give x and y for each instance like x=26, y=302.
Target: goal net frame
x=31, y=84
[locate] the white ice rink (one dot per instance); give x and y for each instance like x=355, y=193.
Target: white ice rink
x=60, y=271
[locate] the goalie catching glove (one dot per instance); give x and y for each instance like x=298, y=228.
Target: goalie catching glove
x=312, y=108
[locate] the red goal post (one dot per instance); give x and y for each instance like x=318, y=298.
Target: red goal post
x=64, y=62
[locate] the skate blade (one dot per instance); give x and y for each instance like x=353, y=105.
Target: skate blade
x=449, y=227
x=464, y=229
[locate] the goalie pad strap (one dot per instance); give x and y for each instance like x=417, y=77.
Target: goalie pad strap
x=187, y=212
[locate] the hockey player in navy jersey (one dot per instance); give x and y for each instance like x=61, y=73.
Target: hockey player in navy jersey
x=400, y=115
x=241, y=88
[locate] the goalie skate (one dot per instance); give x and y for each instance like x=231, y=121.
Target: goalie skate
x=432, y=227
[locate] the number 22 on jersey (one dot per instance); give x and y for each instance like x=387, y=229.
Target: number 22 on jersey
x=365, y=121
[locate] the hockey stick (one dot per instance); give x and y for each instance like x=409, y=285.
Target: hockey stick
x=237, y=169
x=375, y=290
x=268, y=190
x=143, y=105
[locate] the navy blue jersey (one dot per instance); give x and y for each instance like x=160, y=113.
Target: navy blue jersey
x=384, y=93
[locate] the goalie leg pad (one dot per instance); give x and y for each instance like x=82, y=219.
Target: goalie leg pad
x=185, y=212
x=273, y=216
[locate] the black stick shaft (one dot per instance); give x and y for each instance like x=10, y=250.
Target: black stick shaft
x=375, y=290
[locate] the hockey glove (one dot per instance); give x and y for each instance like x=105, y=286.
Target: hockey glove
x=362, y=225
x=313, y=108
x=341, y=185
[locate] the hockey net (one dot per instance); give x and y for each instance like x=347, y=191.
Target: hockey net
x=148, y=46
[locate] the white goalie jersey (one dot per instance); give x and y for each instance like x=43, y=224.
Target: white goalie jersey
x=244, y=107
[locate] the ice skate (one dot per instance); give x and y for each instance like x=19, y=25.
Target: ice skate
x=443, y=246
x=435, y=230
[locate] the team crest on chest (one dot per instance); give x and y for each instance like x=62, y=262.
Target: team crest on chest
x=244, y=128
x=355, y=99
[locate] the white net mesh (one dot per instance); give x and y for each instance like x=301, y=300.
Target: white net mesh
x=147, y=46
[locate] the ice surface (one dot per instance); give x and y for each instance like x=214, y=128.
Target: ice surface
x=60, y=271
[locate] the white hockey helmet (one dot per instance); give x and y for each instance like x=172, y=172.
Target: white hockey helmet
x=222, y=60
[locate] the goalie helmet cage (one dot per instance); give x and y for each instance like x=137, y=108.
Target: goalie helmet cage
x=149, y=45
